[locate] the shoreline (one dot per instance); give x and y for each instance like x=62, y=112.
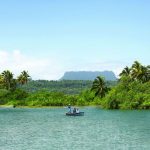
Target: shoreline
x=11, y=106
x=96, y=106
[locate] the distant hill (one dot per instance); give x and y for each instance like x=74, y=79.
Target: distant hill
x=89, y=75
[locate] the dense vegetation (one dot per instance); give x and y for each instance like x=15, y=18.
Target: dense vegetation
x=72, y=87
x=132, y=91
x=27, y=92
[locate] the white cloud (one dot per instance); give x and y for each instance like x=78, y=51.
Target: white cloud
x=51, y=68
x=38, y=68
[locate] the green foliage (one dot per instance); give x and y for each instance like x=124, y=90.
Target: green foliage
x=128, y=95
x=72, y=87
x=132, y=91
x=99, y=87
x=23, y=78
x=45, y=98
x=7, y=80
x=86, y=97
x=3, y=96
x=48, y=93
x=137, y=72
x=18, y=94
x=6, y=96
x=65, y=86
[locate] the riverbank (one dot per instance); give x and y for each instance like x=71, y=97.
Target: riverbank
x=11, y=106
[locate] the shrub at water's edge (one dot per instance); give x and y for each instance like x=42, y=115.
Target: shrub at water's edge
x=45, y=98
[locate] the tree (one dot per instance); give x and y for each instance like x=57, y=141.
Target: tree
x=99, y=87
x=136, y=70
x=7, y=79
x=144, y=74
x=125, y=72
x=23, y=77
x=140, y=72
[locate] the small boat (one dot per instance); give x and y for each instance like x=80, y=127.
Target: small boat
x=75, y=114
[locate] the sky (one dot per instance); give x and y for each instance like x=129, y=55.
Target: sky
x=50, y=37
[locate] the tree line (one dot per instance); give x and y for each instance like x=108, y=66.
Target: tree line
x=72, y=87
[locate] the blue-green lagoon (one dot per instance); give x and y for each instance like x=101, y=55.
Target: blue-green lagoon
x=50, y=129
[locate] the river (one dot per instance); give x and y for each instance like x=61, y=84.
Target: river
x=50, y=129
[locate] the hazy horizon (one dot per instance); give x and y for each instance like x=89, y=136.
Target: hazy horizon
x=48, y=38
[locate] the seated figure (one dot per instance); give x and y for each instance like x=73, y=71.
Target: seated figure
x=74, y=110
x=77, y=110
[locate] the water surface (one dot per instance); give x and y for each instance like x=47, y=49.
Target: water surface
x=50, y=129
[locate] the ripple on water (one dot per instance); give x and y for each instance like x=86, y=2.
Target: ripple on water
x=50, y=129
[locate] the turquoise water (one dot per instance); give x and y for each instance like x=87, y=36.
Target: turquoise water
x=50, y=129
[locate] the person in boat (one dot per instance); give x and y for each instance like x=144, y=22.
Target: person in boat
x=74, y=110
x=77, y=111
x=69, y=107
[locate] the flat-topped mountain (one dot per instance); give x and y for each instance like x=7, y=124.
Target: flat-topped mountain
x=88, y=75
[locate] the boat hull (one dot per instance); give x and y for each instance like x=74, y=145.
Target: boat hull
x=75, y=114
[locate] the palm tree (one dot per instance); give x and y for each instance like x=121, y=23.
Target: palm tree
x=140, y=72
x=144, y=76
x=23, y=77
x=136, y=70
x=125, y=72
x=7, y=78
x=99, y=87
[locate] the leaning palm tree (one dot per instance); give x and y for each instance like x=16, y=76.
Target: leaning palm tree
x=23, y=77
x=125, y=72
x=99, y=87
x=7, y=79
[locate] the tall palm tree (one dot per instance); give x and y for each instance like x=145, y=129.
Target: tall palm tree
x=23, y=77
x=136, y=70
x=99, y=87
x=125, y=72
x=7, y=79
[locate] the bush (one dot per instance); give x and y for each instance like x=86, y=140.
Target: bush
x=3, y=96
x=128, y=95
